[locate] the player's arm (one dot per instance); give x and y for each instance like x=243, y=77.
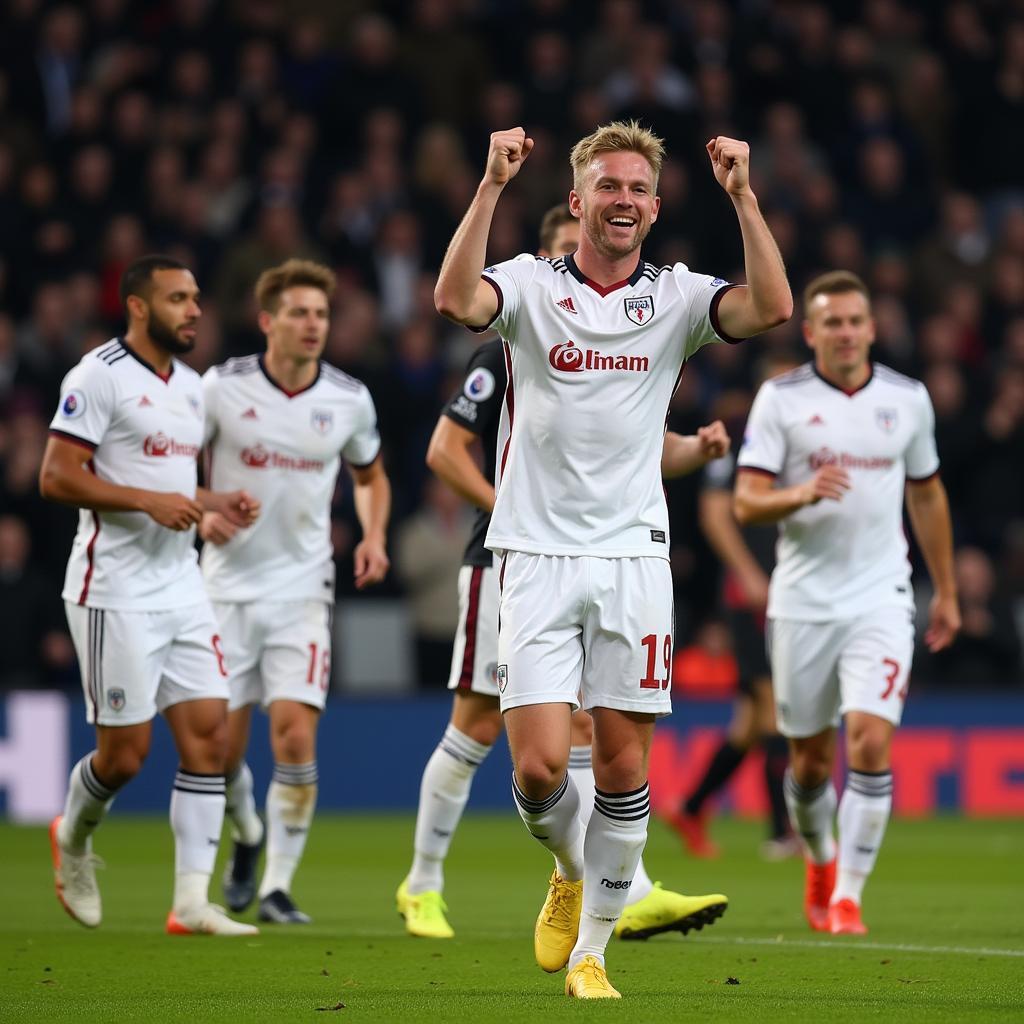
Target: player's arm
x=718, y=524
x=766, y=301
x=449, y=455
x=372, y=497
x=66, y=478
x=756, y=499
x=928, y=508
x=682, y=454
x=239, y=508
x=461, y=294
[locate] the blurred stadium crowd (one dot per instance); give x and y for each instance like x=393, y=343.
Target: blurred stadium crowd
x=887, y=138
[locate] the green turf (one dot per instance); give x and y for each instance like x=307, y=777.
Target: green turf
x=946, y=910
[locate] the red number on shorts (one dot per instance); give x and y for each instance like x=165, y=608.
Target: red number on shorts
x=325, y=667
x=221, y=666
x=890, y=679
x=650, y=681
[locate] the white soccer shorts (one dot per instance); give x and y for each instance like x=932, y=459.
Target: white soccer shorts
x=276, y=650
x=475, y=655
x=583, y=628
x=822, y=670
x=136, y=664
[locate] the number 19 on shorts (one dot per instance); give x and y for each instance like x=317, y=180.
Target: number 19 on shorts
x=652, y=642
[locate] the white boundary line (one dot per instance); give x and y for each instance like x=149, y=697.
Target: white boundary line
x=883, y=947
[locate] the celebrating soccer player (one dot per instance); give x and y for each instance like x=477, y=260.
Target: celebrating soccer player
x=831, y=448
x=473, y=413
x=594, y=345
x=279, y=424
x=123, y=448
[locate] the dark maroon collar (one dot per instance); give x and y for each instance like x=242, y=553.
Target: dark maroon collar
x=284, y=390
x=846, y=391
x=601, y=289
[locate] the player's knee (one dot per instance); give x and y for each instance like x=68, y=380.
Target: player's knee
x=119, y=766
x=810, y=767
x=538, y=777
x=625, y=771
x=868, y=751
x=295, y=746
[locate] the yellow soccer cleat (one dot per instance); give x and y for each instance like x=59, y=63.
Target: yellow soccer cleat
x=558, y=923
x=662, y=910
x=423, y=913
x=588, y=980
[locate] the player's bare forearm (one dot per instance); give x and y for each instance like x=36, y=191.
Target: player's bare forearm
x=682, y=454
x=722, y=532
x=64, y=478
x=930, y=520
x=756, y=500
x=460, y=294
x=767, y=300
x=372, y=499
x=457, y=468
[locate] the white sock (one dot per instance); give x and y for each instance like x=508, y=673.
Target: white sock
x=811, y=812
x=863, y=815
x=444, y=790
x=555, y=822
x=291, y=800
x=581, y=769
x=87, y=802
x=641, y=886
x=241, y=806
x=615, y=840
x=197, y=817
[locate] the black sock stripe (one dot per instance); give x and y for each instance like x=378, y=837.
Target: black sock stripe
x=96, y=788
x=458, y=755
x=618, y=796
x=199, y=792
x=539, y=806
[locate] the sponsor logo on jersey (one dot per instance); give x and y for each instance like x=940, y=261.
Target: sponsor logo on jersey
x=501, y=677
x=115, y=699
x=827, y=457
x=567, y=358
x=258, y=457
x=321, y=420
x=479, y=384
x=567, y=305
x=73, y=405
x=640, y=309
x=160, y=446
x=886, y=419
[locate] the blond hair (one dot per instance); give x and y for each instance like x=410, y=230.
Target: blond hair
x=617, y=137
x=290, y=274
x=835, y=282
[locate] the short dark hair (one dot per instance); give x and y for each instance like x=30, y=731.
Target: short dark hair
x=835, y=282
x=551, y=222
x=138, y=277
x=291, y=274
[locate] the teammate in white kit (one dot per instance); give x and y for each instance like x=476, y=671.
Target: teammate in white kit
x=123, y=447
x=279, y=425
x=472, y=415
x=830, y=451
x=595, y=344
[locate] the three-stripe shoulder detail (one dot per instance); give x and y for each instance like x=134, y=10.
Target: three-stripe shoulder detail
x=111, y=353
x=801, y=375
x=652, y=273
x=238, y=366
x=332, y=375
x=891, y=376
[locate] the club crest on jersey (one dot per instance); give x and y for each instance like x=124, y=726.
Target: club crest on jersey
x=321, y=420
x=569, y=359
x=640, y=309
x=501, y=677
x=886, y=419
x=195, y=405
x=73, y=405
x=479, y=384
x=115, y=699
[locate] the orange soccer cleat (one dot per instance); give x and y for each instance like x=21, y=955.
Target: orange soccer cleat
x=819, y=881
x=844, y=919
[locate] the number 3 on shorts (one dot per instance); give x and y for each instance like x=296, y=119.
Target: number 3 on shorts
x=891, y=675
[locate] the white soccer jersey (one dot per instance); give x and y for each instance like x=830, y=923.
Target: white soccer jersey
x=591, y=371
x=144, y=431
x=284, y=449
x=839, y=559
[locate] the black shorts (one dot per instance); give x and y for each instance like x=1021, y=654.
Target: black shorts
x=749, y=648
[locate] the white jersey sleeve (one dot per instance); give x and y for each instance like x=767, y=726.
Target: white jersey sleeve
x=363, y=446
x=211, y=380
x=702, y=294
x=510, y=280
x=87, y=403
x=764, y=440
x=922, y=457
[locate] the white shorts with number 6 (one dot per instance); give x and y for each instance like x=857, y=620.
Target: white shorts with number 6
x=574, y=628
x=822, y=670
x=135, y=664
x=276, y=650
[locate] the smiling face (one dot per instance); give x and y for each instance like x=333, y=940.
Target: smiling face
x=840, y=329
x=297, y=330
x=616, y=204
x=172, y=310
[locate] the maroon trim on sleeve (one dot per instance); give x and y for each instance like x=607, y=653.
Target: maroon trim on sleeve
x=74, y=439
x=364, y=465
x=501, y=305
x=922, y=479
x=713, y=314
x=758, y=470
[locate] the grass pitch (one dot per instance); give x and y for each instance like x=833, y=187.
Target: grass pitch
x=945, y=908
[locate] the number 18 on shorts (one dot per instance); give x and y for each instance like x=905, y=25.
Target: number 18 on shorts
x=576, y=624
